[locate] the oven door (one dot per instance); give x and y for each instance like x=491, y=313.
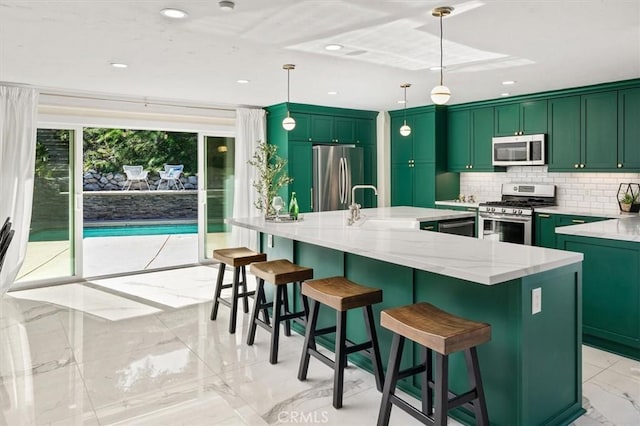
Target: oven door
x=508, y=229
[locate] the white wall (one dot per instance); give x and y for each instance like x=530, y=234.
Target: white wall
x=593, y=191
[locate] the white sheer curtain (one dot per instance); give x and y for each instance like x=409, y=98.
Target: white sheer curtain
x=18, y=120
x=250, y=130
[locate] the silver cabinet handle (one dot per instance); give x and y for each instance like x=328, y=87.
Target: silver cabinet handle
x=544, y=215
x=577, y=221
x=311, y=190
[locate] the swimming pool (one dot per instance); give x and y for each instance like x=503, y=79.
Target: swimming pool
x=122, y=231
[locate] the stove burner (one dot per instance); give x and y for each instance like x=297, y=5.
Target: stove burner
x=518, y=203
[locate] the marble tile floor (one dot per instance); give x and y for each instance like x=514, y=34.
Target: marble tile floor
x=71, y=356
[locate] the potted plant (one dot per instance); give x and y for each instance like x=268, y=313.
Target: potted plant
x=270, y=176
x=627, y=200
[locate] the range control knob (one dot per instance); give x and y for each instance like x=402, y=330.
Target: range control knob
x=504, y=210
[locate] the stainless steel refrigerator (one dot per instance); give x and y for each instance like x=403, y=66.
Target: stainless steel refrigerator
x=336, y=168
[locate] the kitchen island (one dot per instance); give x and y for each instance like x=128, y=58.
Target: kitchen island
x=611, y=291
x=532, y=366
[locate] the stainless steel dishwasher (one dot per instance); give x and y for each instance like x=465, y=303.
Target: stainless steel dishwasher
x=466, y=227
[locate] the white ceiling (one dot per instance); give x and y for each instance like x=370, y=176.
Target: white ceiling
x=542, y=44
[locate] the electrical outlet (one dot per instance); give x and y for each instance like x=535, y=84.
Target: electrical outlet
x=270, y=240
x=536, y=301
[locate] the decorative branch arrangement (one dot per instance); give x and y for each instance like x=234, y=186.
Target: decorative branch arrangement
x=271, y=176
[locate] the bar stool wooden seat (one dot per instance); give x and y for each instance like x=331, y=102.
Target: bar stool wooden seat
x=279, y=273
x=342, y=295
x=444, y=333
x=238, y=258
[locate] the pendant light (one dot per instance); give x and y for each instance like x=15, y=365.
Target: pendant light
x=405, y=130
x=440, y=94
x=288, y=123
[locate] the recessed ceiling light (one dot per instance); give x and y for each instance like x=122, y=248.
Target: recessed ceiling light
x=332, y=92
x=508, y=82
x=333, y=46
x=118, y=65
x=173, y=13
x=504, y=94
x=226, y=5
x=436, y=68
x=242, y=81
x=401, y=101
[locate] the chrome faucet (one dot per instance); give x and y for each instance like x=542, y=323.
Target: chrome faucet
x=354, y=208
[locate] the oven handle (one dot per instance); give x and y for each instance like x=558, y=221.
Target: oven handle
x=504, y=218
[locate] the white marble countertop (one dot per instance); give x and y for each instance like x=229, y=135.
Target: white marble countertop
x=481, y=261
x=456, y=203
x=627, y=229
x=613, y=213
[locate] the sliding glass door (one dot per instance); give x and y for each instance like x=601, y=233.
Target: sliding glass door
x=51, y=252
x=216, y=193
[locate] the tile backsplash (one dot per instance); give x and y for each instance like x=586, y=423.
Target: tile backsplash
x=593, y=191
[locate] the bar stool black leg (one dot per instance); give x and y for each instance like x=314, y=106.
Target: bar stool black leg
x=473, y=370
x=275, y=328
x=442, y=390
x=234, y=301
x=218, y=291
x=427, y=391
x=341, y=358
x=260, y=299
x=244, y=290
x=376, y=361
x=391, y=380
x=309, y=339
x=285, y=303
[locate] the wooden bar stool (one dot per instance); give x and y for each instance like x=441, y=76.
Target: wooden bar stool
x=238, y=258
x=340, y=294
x=279, y=273
x=444, y=333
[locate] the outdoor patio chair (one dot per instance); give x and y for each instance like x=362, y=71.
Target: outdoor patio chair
x=171, y=176
x=6, y=235
x=135, y=174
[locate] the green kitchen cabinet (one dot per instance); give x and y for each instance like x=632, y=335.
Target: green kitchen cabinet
x=332, y=129
x=302, y=130
x=563, y=145
x=319, y=124
x=583, y=132
x=545, y=230
x=300, y=156
x=365, y=130
x=610, y=292
x=418, y=161
x=528, y=117
x=469, y=137
x=599, y=137
x=545, y=225
x=629, y=129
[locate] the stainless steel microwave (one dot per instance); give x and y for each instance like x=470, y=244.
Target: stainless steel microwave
x=523, y=150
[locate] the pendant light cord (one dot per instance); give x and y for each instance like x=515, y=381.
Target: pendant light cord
x=288, y=77
x=441, y=51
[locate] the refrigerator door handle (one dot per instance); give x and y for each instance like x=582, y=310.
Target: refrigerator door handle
x=347, y=180
x=341, y=182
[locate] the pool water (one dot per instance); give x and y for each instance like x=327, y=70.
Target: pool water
x=127, y=230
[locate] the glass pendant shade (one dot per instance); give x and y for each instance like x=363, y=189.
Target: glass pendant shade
x=405, y=130
x=440, y=95
x=288, y=123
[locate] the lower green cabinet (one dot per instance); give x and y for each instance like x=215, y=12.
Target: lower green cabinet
x=545, y=226
x=610, y=292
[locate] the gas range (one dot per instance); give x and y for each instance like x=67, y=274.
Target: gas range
x=510, y=219
x=520, y=199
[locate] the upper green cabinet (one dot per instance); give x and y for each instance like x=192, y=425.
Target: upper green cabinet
x=563, y=144
x=599, y=137
x=469, y=134
x=583, y=133
x=629, y=129
x=326, y=128
x=302, y=129
x=528, y=117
